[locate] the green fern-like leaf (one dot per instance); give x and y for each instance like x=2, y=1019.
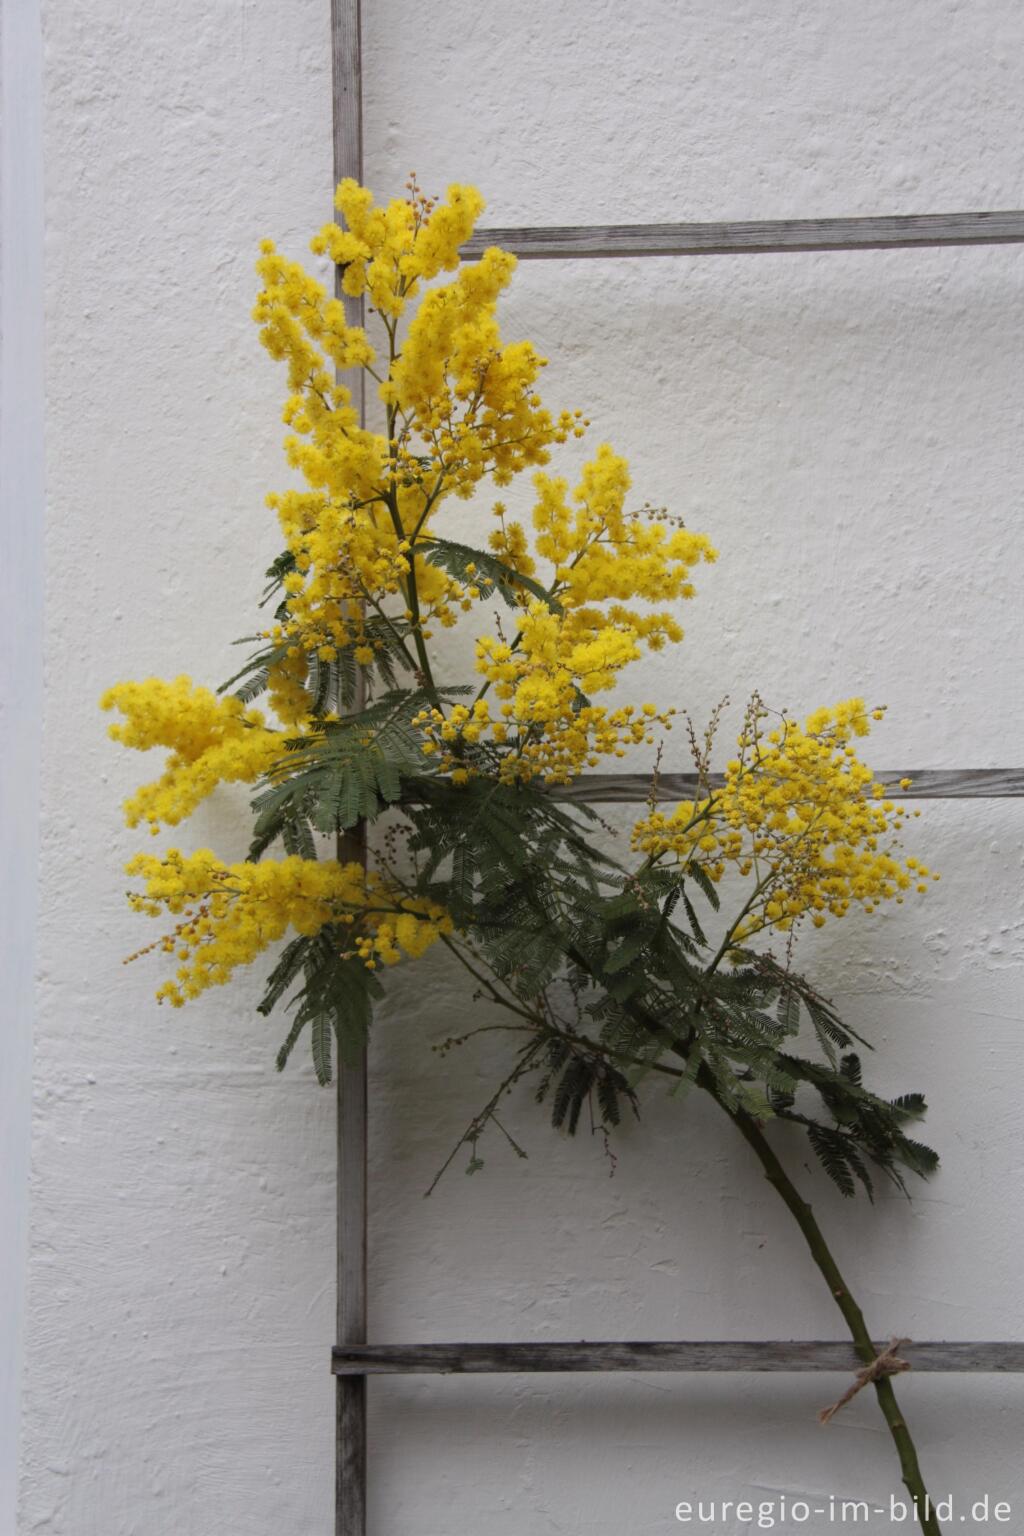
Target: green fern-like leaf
x=345, y=773
x=510, y=584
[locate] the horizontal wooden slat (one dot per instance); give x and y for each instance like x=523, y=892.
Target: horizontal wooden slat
x=926, y=784
x=722, y=1355
x=753, y=237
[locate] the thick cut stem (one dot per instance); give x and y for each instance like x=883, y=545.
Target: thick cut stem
x=822, y=1255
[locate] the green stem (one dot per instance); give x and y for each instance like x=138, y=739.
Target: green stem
x=420, y=644
x=820, y=1252
x=853, y=1316
x=411, y=593
x=727, y=941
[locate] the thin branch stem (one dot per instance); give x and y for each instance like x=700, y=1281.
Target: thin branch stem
x=852, y=1315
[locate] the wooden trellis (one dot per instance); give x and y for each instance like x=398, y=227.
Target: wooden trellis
x=354, y=1359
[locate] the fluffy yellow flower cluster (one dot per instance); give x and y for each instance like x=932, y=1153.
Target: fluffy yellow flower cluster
x=552, y=737
x=579, y=641
x=212, y=741
x=230, y=913
x=387, y=252
x=800, y=814
x=460, y=404
x=331, y=529
x=601, y=552
x=545, y=683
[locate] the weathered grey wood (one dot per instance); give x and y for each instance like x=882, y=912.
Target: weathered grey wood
x=711, y=1355
x=347, y=89
x=927, y=784
x=350, y=1416
x=347, y=137
x=757, y=237
x=351, y=1192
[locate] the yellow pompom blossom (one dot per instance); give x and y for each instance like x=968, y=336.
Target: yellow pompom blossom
x=802, y=817
x=545, y=723
x=286, y=688
x=601, y=552
x=387, y=252
x=579, y=641
x=460, y=405
x=553, y=737
x=211, y=740
x=230, y=913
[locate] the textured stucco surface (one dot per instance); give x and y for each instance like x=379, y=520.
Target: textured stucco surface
x=847, y=428
x=21, y=627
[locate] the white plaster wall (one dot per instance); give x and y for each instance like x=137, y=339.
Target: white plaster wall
x=21, y=624
x=847, y=427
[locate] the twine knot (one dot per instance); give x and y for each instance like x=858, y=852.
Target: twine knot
x=888, y=1363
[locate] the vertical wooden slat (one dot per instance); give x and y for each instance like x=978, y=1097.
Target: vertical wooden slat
x=347, y=127
x=350, y=1402
x=350, y=1406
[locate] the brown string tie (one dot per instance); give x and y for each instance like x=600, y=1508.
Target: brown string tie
x=888, y=1363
